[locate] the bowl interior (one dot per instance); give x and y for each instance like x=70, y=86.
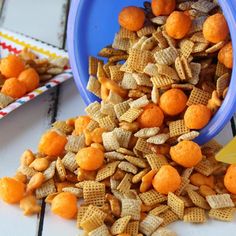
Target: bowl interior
x=92, y=26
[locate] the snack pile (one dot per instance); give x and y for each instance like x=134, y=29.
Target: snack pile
x=131, y=159
x=23, y=73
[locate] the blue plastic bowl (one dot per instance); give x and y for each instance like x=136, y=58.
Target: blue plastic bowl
x=92, y=24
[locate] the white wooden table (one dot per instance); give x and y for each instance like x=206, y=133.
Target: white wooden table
x=46, y=20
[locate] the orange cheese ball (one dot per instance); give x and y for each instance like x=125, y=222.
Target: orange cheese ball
x=30, y=79
x=173, y=102
x=132, y=18
x=186, y=153
x=163, y=7
x=65, y=205
x=11, y=190
x=225, y=55
x=215, y=28
x=178, y=25
x=52, y=143
x=152, y=116
x=166, y=180
x=81, y=123
x=90, y=158
x=230, y=178
x=11, y=66
x=14, y=88
x=197, y=116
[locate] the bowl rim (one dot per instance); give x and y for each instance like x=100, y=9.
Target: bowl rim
x=222, y=116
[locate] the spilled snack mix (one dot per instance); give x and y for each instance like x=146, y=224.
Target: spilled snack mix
x=131, y=159
x=23, y=73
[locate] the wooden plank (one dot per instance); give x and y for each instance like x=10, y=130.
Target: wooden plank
x=22, y=129
x=69, y=104
x=44, y=20
x=70, y=101
x=19, y=131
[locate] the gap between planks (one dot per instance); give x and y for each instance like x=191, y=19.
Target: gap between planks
x=52, y=112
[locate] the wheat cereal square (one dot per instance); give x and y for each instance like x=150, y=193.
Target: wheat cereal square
x=127, y=34
x=119, y=225
x=139, y=59
x=146, y=30
x=92, y=222
x=81, y=212
x=61, y=171
x=161, y=81
x=204, y=6
x=107, y=123
x=195, y=215
x=132, y=228
x=222, y=83
x=168, y=71
x=107, y=171
x=197, y=199
x=69, y=161
x=159, y=209
x=63, y=127
x=197, y=24
x=162, y=42
x=140, y=102
x=186, y=47
x=168, y=217
x=75, y=143
x=46, y=189
x=151, y=69
x=220, y=201
x=222, y=214
x=94, y=193
x=94, y=86
x=198, y=96
x=176, y=204
x=125, y=184
x=50, y=171
x=93, y=65
x=178, y=128
x=100, y=231
x=221, y=70
x=166, y=56
x=121, y=43
x=150, y=224
x=142, y=146
x=131, y=207
x=180, y=69
x=151, y=197
x=27, y=171
x=123, y=136
x=110, y=141
x=156, y=161
x=131, y=115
